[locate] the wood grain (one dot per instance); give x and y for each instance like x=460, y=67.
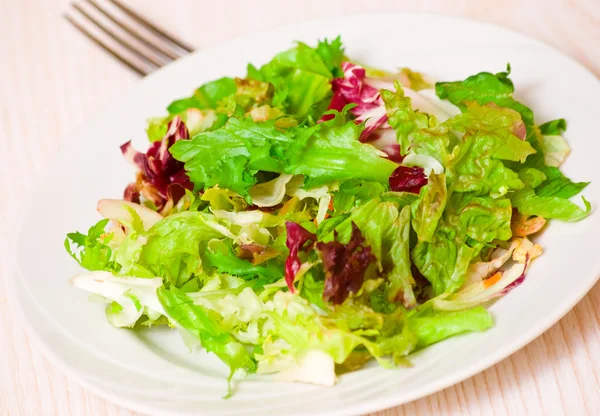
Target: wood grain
x=52, y=79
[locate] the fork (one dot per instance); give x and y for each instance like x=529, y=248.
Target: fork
x=141, y=46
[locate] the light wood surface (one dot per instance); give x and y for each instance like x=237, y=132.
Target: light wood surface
x=52, y=79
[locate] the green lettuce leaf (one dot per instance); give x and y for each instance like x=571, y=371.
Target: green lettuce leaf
x=498, y=89
x=443, y=261
x=224, y=199
x=489, y=139
x=400, y=198
x=499, y=125
x=402, y=118
x=554, y=127
x=301, y=77
x=313, y=284
x=195, y=120
x=94, y=252
x=232, y=155
x=483, y=219
x=532, y=177
x=295, y=322
x=558, y=185
x=380, y=302
x=206, y=96
x=127, y=256
x=348, y=328
x=431, y=326
x=417, y=133
x=389, y=335
x=332, y=55
x=353, y=193
x=550, y=146
x=484, y=88
x=400, y=276
x=334, y=153
x=427, y=211
x=175, y=243
x=432, y=142
x=206, y=326
x=301, y=57
x=528, y=203
x=249, y=93
x=225, y=261
x=170, y=249
x=469, y=222
x=157, y=128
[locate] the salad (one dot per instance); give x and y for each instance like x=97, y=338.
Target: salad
x=318, y=213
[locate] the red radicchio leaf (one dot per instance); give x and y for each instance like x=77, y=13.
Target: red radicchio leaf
x=354, y=87
x=393, y=152
x=345, y=266
x=162, y=178
x=408, y=179
x=338, y=102
x=132, y=193
x=385, y=140
x=297, y=239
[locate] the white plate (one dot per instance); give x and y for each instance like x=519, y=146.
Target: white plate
x=152, y=372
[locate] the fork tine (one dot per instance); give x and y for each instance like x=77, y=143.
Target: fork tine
x=132, y=48
x=141, y=71
x=151, y=27
x=165, y=52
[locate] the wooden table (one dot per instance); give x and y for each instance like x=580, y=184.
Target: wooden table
x=52, y=79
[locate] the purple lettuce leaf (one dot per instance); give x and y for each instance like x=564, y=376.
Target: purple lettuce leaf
x=408, y=179
x=160, y=178
x=345, y=266
x=298, y=238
